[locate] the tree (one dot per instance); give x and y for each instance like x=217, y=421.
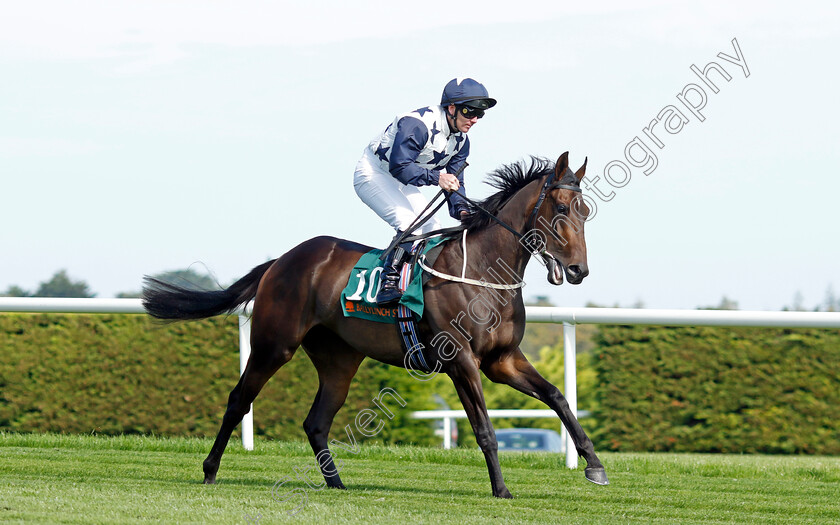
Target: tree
x=832, y=304
x=797, y=303
x=188, y=278
x=60, y=285
x=16, y=291
x=725, y=304
x=540, y=300
x=185, y=278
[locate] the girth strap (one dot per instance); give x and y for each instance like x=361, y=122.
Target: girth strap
x=407, y=326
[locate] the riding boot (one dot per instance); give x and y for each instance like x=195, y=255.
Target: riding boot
x=389, y=283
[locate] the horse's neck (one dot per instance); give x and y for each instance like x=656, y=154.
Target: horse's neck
x=500, y=245
x=496, y=251
x=493, y=253
x=496, y=247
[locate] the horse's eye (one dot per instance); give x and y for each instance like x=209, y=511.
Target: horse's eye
x=562, y=208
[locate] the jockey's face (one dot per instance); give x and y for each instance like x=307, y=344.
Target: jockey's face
x=459, y=122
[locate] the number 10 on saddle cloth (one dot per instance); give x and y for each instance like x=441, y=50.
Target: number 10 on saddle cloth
x=357, y=298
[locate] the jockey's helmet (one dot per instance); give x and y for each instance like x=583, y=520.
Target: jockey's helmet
x=466, y=92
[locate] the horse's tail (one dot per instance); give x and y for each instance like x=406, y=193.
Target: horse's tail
x=168, y=301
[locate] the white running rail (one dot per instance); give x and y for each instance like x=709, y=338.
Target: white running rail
x=569, y=317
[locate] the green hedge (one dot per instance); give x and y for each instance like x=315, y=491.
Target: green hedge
x=115, y=374
x=125, y=374
x=650, y=388
x=718, y=390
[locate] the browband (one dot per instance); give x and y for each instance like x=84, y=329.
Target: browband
x=565, y=187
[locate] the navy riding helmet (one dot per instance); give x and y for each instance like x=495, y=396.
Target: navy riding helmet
x=466, y=92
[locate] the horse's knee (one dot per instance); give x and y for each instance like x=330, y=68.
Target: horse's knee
x=487, y=441
x=312, y=429
x=236, y=410
x=557, y=398
x=235, y=395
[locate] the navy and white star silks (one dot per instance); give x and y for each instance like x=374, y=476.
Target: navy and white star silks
x=418, y=146
x=380, y=152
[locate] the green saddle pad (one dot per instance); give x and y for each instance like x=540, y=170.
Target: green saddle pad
x=357, y=298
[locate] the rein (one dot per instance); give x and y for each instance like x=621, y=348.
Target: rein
x=498, y=220
x=420, y=219
x=527, y=243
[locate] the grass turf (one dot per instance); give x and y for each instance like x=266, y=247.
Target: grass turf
x=131, y=479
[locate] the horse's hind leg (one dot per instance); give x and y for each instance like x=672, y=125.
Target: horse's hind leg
x=512, y=368
x=268, y=354
x=336, y=363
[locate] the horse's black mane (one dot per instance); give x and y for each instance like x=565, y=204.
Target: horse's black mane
x=509, y=179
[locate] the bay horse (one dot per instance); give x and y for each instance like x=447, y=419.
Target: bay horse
x=297, y=304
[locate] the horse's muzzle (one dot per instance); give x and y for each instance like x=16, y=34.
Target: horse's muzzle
x=576, y=273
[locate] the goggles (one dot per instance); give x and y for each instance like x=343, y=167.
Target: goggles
x=470, y=113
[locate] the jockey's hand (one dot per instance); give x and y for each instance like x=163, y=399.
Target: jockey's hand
x=448, y=182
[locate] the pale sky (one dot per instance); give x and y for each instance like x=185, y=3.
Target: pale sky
x=139, y=137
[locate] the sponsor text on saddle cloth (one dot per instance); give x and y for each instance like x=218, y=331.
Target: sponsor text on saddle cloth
x=357, y=299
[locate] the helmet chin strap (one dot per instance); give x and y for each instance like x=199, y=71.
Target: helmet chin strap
x=454, y=117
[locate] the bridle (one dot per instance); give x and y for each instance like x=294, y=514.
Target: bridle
x=547, y=187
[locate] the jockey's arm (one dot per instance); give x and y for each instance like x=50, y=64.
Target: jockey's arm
x=408, y=143
x=458, y=206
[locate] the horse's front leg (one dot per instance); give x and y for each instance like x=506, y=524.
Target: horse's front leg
x=512, y=368
x=467, y=382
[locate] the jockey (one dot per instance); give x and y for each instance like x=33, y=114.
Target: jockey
x=425, y=147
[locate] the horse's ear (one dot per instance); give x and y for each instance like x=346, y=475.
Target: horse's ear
x=582, y=170
x=561, y=165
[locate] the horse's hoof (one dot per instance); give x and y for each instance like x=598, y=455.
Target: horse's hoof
x=210, y=481
x=339, y=486
x=597, y=476
x=505, y=494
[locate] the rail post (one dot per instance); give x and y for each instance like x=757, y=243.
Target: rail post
x=570, y=387
x=244, y=354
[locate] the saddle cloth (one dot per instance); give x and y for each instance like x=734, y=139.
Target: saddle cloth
x=358, y=297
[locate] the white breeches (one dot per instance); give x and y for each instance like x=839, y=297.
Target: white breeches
x=397, y=203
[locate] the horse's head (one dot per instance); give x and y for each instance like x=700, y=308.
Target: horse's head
x=543, y=201
x=559, y=216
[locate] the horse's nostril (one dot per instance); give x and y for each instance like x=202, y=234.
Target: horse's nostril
x=577, y=271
